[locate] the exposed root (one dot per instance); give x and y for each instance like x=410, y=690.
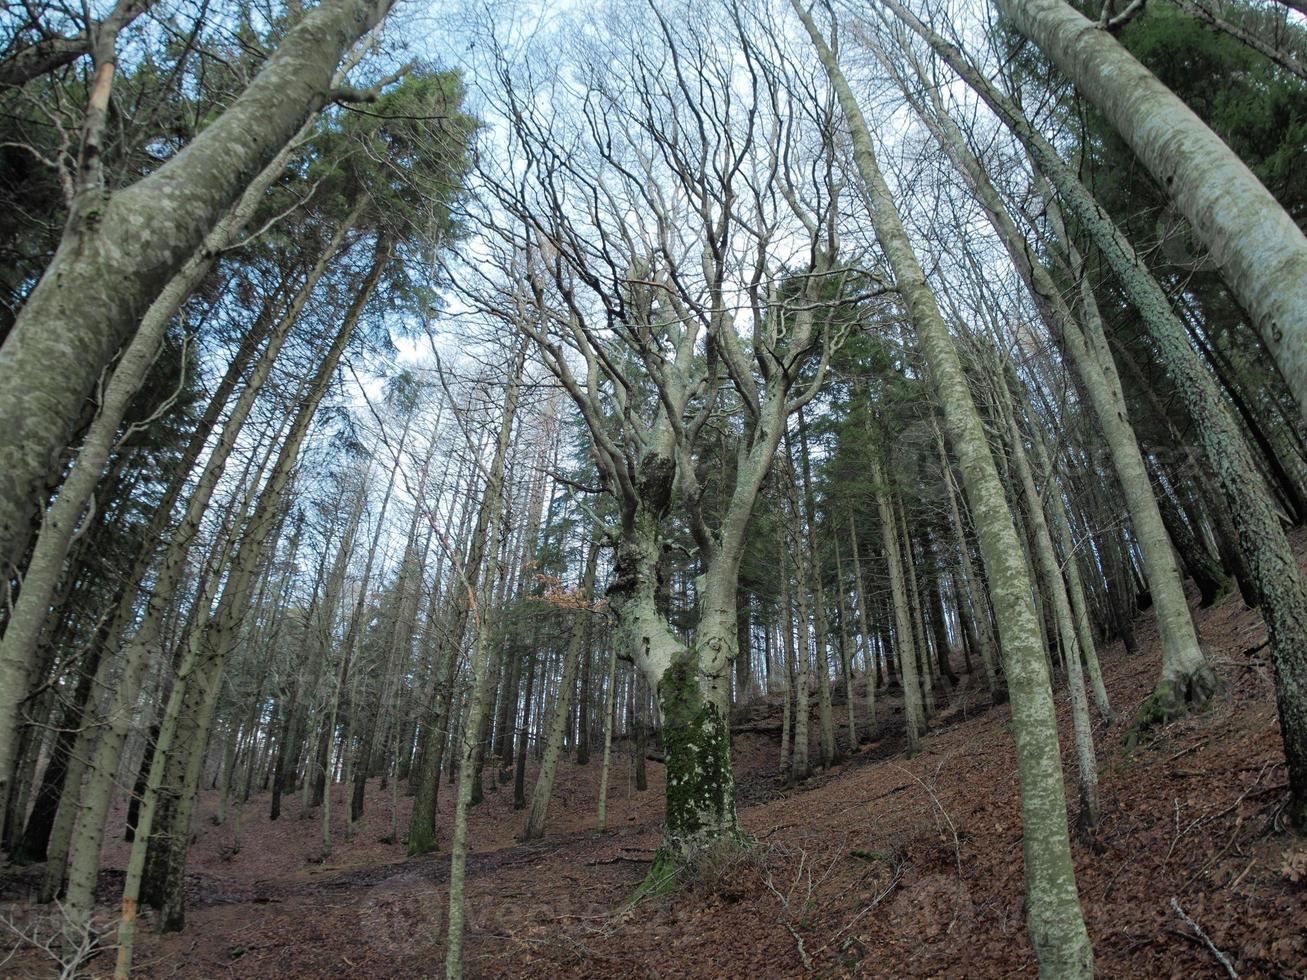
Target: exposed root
x=1172, y=700
x=707, y=866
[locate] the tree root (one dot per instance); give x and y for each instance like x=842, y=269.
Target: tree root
x=1172, y=700
x=675, y=866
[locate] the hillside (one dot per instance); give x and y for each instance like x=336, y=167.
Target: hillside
x=882, y=866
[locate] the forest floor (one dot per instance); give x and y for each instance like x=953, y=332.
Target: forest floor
x=880, y=866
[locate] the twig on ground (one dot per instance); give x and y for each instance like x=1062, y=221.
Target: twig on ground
x=803, y=953
x=1198, y=931
x=617, y=860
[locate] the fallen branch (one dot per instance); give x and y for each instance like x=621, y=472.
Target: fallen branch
x=1257, y=649
x=1198, y=931
x=803, y=953
x=616, y=860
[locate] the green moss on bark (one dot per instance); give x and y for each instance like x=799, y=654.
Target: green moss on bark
x=700, y=807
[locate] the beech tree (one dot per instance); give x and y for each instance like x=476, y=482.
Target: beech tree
x=743, y=354
x=1260, y=250
x=636, y=314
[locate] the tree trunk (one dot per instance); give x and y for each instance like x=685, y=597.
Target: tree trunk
x=524, y=733
x=825, y=715
x=1261, y=251
x=479, y=606
x=610, y=708
x=422, y=823
x=870, y=660
x=920, y=650
x=119, y=250
x=1055, y=919
x=1184, y=665
x=1087, y=763
x=535, y=821
x=913, y=716
x=846, y=648
x=975, y=615
x=207, y=651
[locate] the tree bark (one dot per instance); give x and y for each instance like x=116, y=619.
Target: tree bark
x=1261, y=251
x=118, y=251
x=913, y=714
x=1054, y=916
x=544, y=788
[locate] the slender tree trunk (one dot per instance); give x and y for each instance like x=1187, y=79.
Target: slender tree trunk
x=1184, y=666
x=919, y=650
x=207, y=651
x=972, y=595
x=479, y=606
x=1055, y=919
x=524, y=732
x=846, y=648
x=422, y=823
x=535, y=821
x=801, y=767
x=61, y=522
x=825, y=714
x=610, y=708
x=1087, y=763
x=913, y=716
x=1274, y=568
x=870, y=661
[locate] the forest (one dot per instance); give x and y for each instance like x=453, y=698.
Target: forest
x=733, y=488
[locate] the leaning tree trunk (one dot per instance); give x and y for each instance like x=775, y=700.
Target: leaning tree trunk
x=1186, y=677
x=1054, y=916
x=1086, y=762
x=1261, y=251
x=46, y=565
x=207, y=651
x=1184, y=667
x=135, y=656
x=119, y=250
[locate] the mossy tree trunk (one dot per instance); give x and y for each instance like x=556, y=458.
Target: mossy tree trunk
x=1068, y=638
